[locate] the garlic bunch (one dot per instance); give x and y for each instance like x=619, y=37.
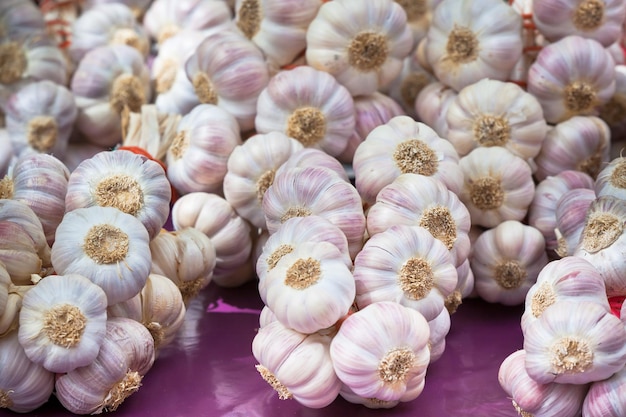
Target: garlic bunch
x=318, y=113
x=125, y=356
x=62, y=322
x=604, y=397
x=498, y=185
x=570, y=77
x=496, y=113
x=611, y=180
x=107, y=246
x=471, y=40
x=407, y=265
x=403, y=146
x=198, y=156
x=570, y=214
x=362, y=44
x=432, y=104
x=506, y=261
x=381, y=352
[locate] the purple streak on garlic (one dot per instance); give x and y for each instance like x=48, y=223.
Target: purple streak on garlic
x=362, y=44
x=605, y=398
x=611, y=180
x=312, y=157
x=123, y=180
x=506, y=261
x=417, y=200
x=108, y=79
x=18, y=17
x=570, y=214
x=297, y=366
x=593, y=19
x=301, y=192
x=614, y=110
x=496, y=113
x=580, y=143
x=603, y=242
x=432, y=104
x=63, y=322
x=471, y=40
x=216, y=218
x=40, y=117
x=407, y=265
x=541, y=213
x=570, y=77
x=250, y=170
x=24, y=385
x=198, y=156
x=531, y=398
x=126, y=355
x=229, y=71
x=403, y=146
x=318, y=112
x=498, y=185
x=574, y=342
x=382, y=352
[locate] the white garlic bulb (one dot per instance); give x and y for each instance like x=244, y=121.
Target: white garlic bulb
x=431, y=106
x=362, y=44
x=570, y=214
x=19, y=253
x=31, y=56
x=611, y=180
x=20, y=17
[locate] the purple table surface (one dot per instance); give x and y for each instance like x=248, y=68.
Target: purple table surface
x=209, y=369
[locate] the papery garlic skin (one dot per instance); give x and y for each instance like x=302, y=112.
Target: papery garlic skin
x=432, y=104
x=318, y=113
x=604, y=397
x=498, y=186
x=570, y=77
x=611, y=180
x=496, y=113
x=106, y=245
x=403, y=146
x=24, y=385
x=598, y=20
x=362, y=44
x=296, y=365
x=382, y=352
x=570, y=214
x=250, y=170
x=407, y=265
x=574, y=342
x=123, y=180
x=506, y=261
x=63, y=322
x=471, y=40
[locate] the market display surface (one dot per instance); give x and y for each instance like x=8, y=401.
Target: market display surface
x=280, y=207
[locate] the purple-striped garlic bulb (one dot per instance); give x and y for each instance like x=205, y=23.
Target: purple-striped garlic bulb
x=611, y=180
x=570, y=214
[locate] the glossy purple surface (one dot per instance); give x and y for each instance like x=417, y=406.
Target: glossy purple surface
x=209, y=370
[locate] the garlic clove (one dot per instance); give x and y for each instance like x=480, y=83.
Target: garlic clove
x=604, y=398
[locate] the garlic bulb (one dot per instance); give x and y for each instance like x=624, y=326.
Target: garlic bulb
x=63, y=322
x=40, y=116
x=19, y=253
x=604, y=397
x=250, y=170
x=138, y=7
x=572, y=76
x=471, y=40
x=107, y=24
x=107, y=246
x=403, y=146
x=107, y=80
x=579, y=143
x=498, y=185
x=569, y=278
x=77, y=152
x=301, y=192
x=431, y=106
x=277, y=27
x=20, y=17
x=149, y=132
x=574, y=342
x=382, y=352
x=187, y=257
x=496, y=113
x=318, y=112
x=230, y=71
x=570, y=214
x=198, y=156
x=312, y=157
x=598, y=20
x=297, y=366
x=611, y=180
x=506, y=261
x=535, y=399
x=19, y=212
x=362, y=44
x=24, y=385
x=123, y=180
x=612, y=112
x=125, y=356
x=417, y=200
x=603, y=241
x=407, y=265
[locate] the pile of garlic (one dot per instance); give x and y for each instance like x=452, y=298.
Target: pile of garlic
x=371, y=163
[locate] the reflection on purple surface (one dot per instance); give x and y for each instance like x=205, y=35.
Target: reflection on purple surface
x=209, y=369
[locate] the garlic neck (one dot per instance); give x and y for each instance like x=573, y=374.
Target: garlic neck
x=120, y=391
x=249, y=18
